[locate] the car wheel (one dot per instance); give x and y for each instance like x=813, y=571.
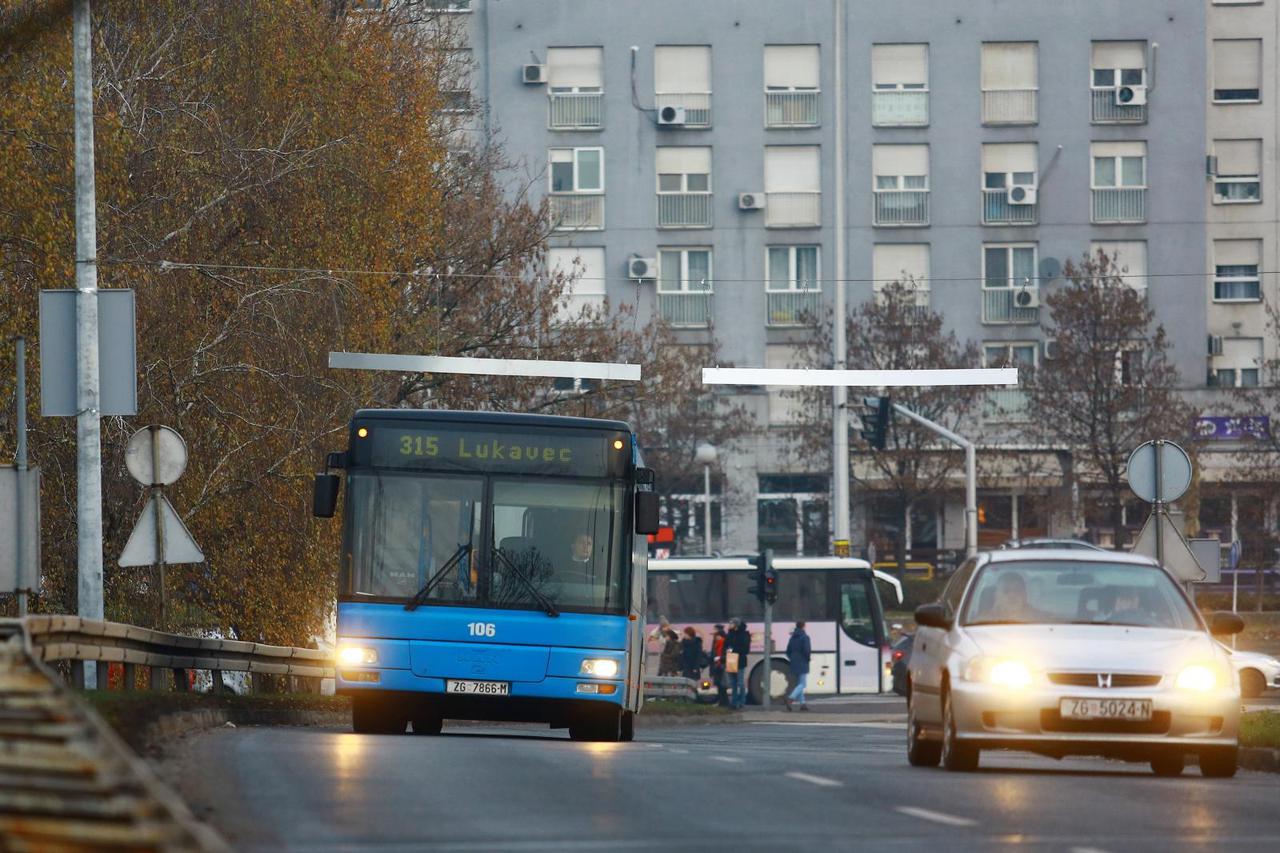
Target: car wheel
x=599, y=725
x=373, y=715
x=1252, y=683
x=1220, y=763
x=957, y=755
x=628, y=726
x=1167, y=763
x=920, y=752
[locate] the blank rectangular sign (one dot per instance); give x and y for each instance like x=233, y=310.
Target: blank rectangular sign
x=19, y=570
x=117, y=357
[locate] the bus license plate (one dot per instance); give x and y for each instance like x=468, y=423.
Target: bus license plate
x=479, y=688
x=1105, y=709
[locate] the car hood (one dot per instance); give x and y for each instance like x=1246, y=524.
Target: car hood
x=1255, y=658
x=1104, y=648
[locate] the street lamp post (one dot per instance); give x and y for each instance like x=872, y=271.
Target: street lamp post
x=706, y=454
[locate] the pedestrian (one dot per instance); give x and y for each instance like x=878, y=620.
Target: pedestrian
x=799, y=650
x=739, y=644
x=691, y=654
x=717, y=666
x=669, y=662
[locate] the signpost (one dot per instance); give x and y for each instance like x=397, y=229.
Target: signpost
x=20, y=503
x=1159, y=472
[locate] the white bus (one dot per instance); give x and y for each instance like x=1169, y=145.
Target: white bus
x=837, y=599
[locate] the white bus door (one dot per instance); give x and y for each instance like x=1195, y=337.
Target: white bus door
x=858, y=646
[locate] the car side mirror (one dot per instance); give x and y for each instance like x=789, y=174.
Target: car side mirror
x=932, y=616
x=646, y=512
x=1224, y=623
x=324, y=495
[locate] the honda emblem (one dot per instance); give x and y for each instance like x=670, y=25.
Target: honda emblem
x=1104, y=680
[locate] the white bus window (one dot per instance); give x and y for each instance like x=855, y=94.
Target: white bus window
x=856, y=616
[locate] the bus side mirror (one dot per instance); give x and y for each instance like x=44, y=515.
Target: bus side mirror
x=324, y=496
x=646, y=512
x=644, y=477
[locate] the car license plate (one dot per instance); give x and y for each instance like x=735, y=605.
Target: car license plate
x=479, y=688
x=1105, y=709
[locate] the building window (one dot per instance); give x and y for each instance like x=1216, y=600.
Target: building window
x=584, y=271
x=455, y=82
x=1239, y=177
x=682, y=81
x=1237, y=71
x=784, y=406
x=791, y=95
x=1009, y=191
x=1010, y=284
x=1119, y=182
x=575, y=86
x=792, y=186
x=577, y=187
x=906, y=264
x=1239, y=365
x=793, y=286
x=1020, y=354
x=900, y=181
x=900, y=85
x=1119, y=82
x=684, y=187
x=1010, y=83
x=1128, y=260
x=1236, y=264
x=685, y=286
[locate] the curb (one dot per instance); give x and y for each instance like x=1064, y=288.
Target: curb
x=1260, y=758
x=657, y=719
x=182, y=723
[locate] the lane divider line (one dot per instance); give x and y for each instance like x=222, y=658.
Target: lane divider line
x=727, y=759
x=936, y=817
x=815, y=780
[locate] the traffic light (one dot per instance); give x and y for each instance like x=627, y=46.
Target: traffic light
x=875, y=420
x=765, y=577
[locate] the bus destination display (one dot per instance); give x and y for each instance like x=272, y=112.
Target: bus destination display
x=453, y=448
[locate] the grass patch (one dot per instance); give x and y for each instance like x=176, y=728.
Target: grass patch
x=1260, y=729
x=683, y=708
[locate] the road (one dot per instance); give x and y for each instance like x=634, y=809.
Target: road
x=806, y=782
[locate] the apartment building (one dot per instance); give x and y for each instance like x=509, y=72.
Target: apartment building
x=688, y=153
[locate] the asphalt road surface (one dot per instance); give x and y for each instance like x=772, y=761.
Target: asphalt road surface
x=807, y=783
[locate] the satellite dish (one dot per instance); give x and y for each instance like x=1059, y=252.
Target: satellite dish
x=1050, y=269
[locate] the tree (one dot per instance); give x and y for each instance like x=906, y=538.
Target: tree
x=892, y=332
x=1111, y=385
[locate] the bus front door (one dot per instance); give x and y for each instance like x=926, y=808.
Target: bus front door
x=858, y=644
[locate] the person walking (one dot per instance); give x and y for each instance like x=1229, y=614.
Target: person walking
x=669, y=662
x=691, y=654
x=717, y=666
x=799, y=650
x=738, y=642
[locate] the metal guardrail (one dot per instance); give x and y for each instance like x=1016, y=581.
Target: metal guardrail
x=67, y=782
x=669, y=687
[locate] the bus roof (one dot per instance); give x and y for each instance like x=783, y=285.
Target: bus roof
x=518, y=418
x=782, y=564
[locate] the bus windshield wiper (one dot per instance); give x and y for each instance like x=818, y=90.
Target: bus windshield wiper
x=420, y=596
x=547, y=604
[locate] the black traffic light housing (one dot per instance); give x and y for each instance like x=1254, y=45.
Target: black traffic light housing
x=877, y=412
x=765, y=577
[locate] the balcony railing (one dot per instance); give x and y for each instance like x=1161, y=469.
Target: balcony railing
x=1107, y=111
x=902, y=207
x=576, y=110
x=576, y=303
x=1120, y=204
x=1010, y=106
x=793, y=210
x=684, y=210
x=914, y=304
x=999, y=305
x=697, y=106
x=793, y=307
x=1007, y=405
x=577, y=211
x=996, y=210
x=686, y=309
x=900, y=108
x=792, y=109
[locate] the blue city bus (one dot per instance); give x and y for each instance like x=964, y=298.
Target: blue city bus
x=492, y=568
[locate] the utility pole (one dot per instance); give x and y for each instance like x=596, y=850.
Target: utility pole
x=21, y=358
x=88, y=426
x=839, y=393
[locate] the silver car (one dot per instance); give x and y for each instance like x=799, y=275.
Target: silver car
x=1071, y=653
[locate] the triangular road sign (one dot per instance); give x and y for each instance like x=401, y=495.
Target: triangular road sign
x=1176, y=554
x=179, y=547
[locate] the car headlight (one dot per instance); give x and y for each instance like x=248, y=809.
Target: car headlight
x=600, y=667
x=1199, y=677
x=1013, y=674
x=357, y=655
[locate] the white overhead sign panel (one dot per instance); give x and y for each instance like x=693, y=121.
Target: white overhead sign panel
x=859, y=378
x=484, y=366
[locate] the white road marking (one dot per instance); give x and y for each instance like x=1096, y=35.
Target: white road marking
x=816, y=780
x=726, y=758
x=868, y=725
x=678, y=751
x=936, y=817
x=1088, y=850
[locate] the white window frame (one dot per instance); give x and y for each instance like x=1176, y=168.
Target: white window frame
x=1009, y=249
x=576, y=151
x=902, y=87
x=684, y=268
x=793, y=277
x=1218, y=277
x=794, y=88
x=684, y=179
x=1008, y=347
x=1213, y=82
x=1226, y=364
x=1119, y=172
x=576, y=90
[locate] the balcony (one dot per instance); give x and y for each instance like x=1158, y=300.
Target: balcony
x=684, y=210
x=900, y=108
x=685, y=309
x=1007, y=405
x=697, y=106
x=1107, y=111
x=902, y=207
x=913, y=304
x=576, y=304
x=577, y=211
x=792, y=109
x=793, y=307
x=1010, y=106
x=999, y=305
x=996, y=210
x=793, y=210
x=575, y=111
x=1119, y=204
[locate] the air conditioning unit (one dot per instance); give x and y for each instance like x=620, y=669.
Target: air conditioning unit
x=1215, y=345
x=1131, y=96
x=1028, y=297
x=672, y=117
x=751, y=201
x=642, y=268
x=1022, y=194
x=534, y=75
x=1050, y=349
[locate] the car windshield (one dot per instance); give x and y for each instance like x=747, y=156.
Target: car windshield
x=1076, y=592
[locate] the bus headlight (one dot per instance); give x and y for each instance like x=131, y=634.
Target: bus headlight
x=357, y=655
x=600, y=667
